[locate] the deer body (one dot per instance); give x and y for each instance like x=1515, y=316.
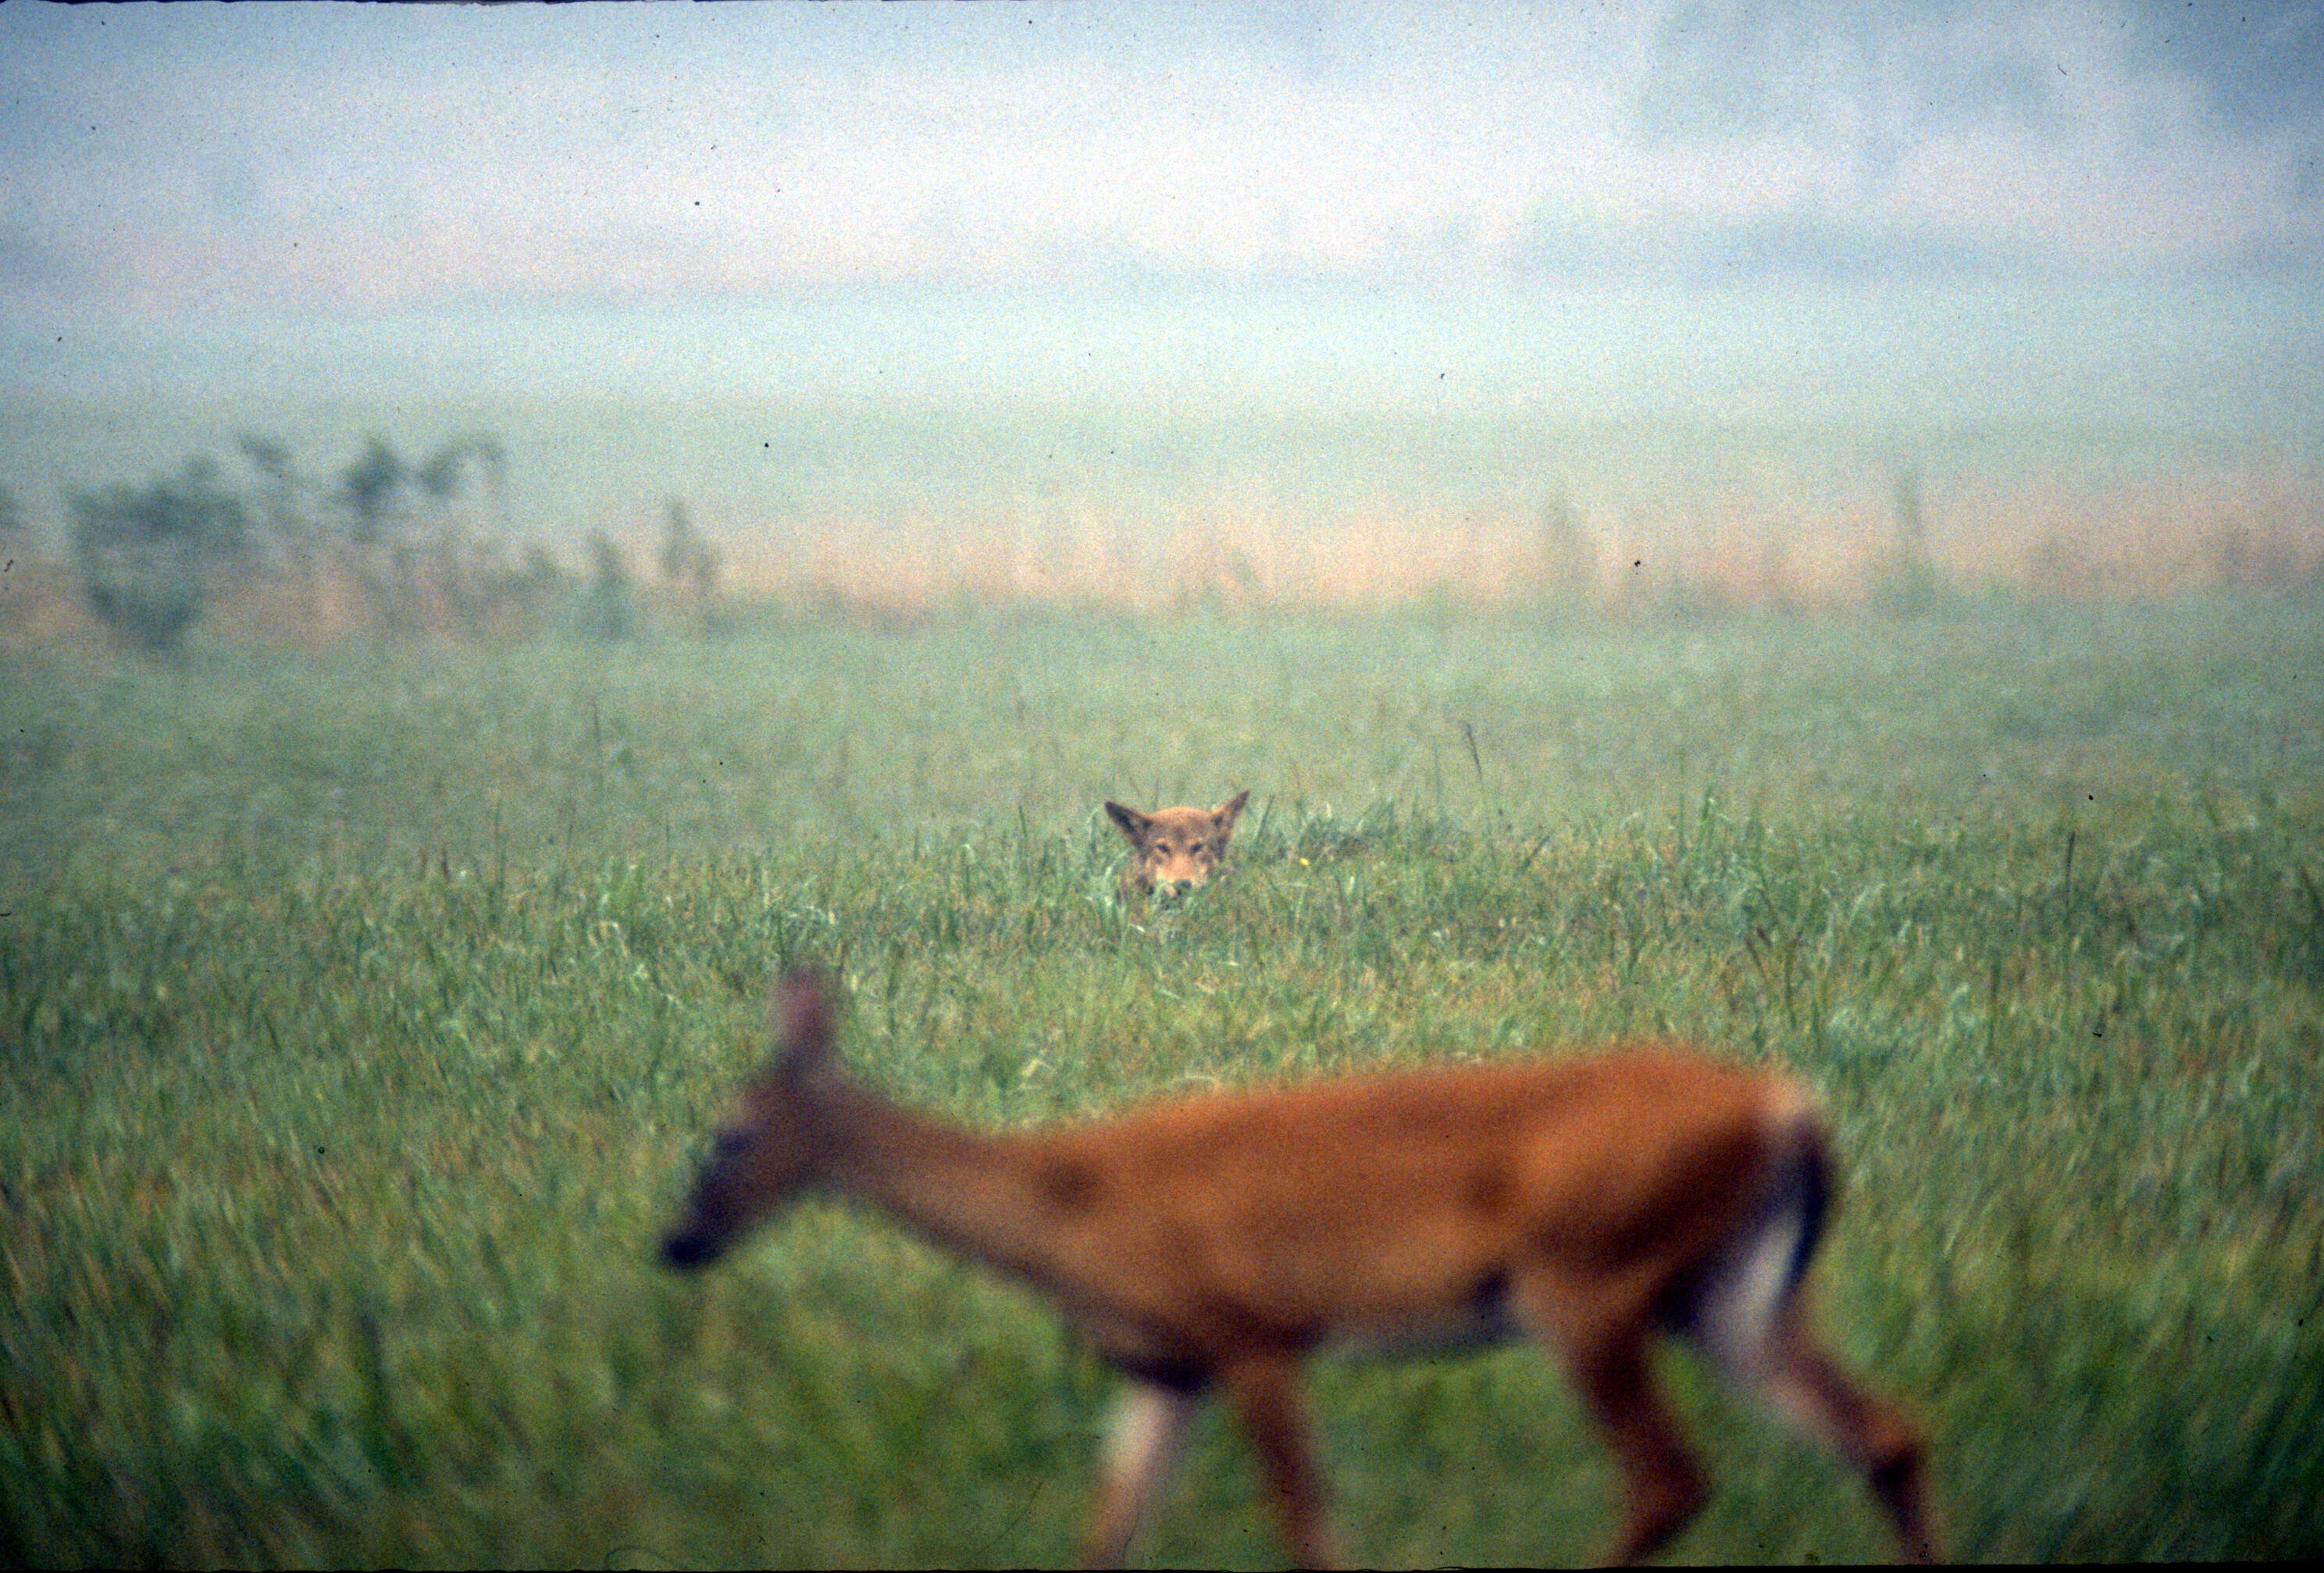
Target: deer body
x=1212, y=1242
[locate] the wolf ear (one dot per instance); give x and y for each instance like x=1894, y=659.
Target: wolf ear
x=801, y=1011
x=1129, y=821
x=1226, y=813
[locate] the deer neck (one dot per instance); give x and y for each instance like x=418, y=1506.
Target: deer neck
x=964, y=1190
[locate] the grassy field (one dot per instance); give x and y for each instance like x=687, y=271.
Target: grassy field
x=361, y=1014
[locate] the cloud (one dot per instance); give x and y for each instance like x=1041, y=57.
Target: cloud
x=2256, y=64
x=1758, y=250
x=191, y=160
x=1871, y=77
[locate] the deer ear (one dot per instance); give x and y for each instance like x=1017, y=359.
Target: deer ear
x=1129, y=821
x=1225, y=815
x=802, y=1023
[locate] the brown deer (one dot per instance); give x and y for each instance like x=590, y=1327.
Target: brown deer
x=1214, y=1241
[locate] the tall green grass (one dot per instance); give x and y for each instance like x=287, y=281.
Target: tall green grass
x=360, y=1017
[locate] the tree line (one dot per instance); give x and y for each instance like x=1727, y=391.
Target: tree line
x=417, y=546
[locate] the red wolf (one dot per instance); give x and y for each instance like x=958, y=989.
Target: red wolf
x=1175, y=849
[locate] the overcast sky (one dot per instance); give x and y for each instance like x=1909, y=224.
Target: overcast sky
x=184, y=169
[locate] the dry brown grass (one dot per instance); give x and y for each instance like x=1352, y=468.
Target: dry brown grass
x=2147, y=538
x=1698, y=550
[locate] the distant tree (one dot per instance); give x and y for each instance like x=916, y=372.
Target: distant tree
x=690, y=564
x=678, y=544
x=542, y=577
x=492, y=462
x=373, y=485
x=272, y=459
x=490, y=459
x=14, y=540
x=451, y=556
x=1569, y=559
x=1912, y=526
x=148, y=555
x=467, y=567
x=438, y=477
x=1905, y=582
x=371, y=491
x=608, y=608
x=290, y=538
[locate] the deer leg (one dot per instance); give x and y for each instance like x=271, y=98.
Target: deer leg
x=1266, y=1394
x=1149, y=1424
x=1603, y=1338
x=1804, y=1385
x=1665, y=1486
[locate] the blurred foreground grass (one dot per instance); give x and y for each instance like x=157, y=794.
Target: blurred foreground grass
x=361, y=1015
